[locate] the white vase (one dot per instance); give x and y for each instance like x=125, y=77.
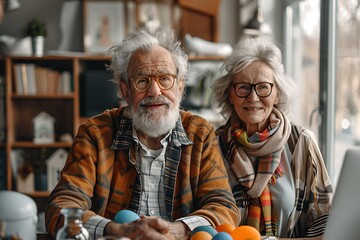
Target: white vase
x=38, y=45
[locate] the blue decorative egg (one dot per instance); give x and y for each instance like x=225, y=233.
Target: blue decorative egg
x=208, y=229
x=222, y=236
x=126, y=216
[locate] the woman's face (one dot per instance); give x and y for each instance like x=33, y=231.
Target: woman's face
x=254, y=111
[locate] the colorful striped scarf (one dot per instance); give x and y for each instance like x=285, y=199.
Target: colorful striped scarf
x=265, y=148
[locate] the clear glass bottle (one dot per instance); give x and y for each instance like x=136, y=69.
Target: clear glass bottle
x=73, y=226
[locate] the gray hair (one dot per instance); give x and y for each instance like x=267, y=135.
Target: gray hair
x=245, y=53
x=141, y=39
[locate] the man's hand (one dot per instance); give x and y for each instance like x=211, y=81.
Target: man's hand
x=149, y=228
x=179, y=231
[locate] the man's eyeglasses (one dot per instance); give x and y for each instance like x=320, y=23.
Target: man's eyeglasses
x=164, y=81
x=262, y=89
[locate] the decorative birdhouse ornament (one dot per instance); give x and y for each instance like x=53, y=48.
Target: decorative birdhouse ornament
x=54, y=165
x=44, y=128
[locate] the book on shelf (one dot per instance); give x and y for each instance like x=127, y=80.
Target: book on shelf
x=31, y=84
x=52, y=77
x=65, y=83
x=31, y=79
x=18, y=79
x=24, y=78
x=41, y=84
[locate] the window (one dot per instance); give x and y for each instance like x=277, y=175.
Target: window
x=331, y=105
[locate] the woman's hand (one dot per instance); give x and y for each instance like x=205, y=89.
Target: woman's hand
x=149, y=228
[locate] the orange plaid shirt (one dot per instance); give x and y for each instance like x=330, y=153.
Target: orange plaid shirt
x=100, y=175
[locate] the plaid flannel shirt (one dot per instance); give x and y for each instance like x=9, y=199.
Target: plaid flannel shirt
x=100, y=175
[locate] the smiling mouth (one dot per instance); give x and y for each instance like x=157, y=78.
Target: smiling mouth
x=252, y=108
x=153, y=105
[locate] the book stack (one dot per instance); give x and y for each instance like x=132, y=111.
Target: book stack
x=31, y=79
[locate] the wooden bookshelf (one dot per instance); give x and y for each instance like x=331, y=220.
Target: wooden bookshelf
x=65, y=107
x=22, y=107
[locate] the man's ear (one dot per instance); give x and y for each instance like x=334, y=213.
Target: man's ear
x=182, y=85
x=124, y=90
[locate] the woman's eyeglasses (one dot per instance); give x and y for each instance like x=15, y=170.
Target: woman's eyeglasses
x=262, y=89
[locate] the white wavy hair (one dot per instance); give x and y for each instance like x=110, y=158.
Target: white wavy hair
x=141, y=39
x=245, y=53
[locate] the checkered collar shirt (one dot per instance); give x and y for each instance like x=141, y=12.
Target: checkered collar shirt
x=151, y=165
x=124, y=139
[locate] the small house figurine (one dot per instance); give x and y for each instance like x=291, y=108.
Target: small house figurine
x=44, y=129
x=54, y=165
x=25, y=179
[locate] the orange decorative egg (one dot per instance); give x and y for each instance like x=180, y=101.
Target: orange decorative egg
x=225, y=227
x=245, y=232
x=201, y=235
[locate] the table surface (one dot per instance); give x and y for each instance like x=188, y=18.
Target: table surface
x=43, y=236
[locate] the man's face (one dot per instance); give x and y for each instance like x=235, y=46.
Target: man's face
x=154, y=111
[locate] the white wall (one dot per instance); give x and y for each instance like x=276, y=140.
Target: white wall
x=64, y=21
x=229, y=25
x=45, y=10
x=272, y=11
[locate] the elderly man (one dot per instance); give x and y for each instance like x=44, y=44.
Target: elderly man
x=148, y=156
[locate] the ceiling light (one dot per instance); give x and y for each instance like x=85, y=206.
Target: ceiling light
x=256, y=25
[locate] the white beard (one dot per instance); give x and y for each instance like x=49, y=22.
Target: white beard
x=156, y=122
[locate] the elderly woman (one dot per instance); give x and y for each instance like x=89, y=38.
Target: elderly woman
x=276, y=170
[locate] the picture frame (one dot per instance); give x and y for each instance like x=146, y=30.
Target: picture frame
x=105, y=24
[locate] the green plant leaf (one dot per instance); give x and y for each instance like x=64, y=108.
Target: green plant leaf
x=35, y=28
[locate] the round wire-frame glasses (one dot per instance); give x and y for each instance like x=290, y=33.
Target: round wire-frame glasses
x=143, y=83
x=262, y=89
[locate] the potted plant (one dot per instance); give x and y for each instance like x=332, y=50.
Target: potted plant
x=37, y=30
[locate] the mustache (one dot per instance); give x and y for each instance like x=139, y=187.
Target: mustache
x=153, y=100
